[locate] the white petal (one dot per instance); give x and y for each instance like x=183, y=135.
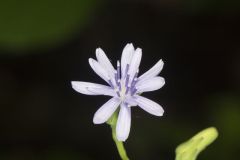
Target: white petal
x=126, y=57
x=123, y=123
x=154, y=71
x=149, y=106
x=106, y=111
x=151, y=84
x=92, y=88
x=99, y=70
x=104, y=61
x=135, y=62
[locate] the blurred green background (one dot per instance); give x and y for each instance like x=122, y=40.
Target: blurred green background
x=46, y=44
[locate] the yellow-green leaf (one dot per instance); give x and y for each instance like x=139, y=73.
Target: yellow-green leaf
x=190, y=149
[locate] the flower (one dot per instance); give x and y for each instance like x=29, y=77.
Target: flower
x=124, y=87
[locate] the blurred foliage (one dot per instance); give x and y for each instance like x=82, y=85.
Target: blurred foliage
x=64, y=154
x=53, y=153
x=221, y=110
x=189, y=150
x=225, y=111
x=26, y=24
x=214, y=5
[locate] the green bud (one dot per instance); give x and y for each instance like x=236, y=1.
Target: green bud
x=190, y=149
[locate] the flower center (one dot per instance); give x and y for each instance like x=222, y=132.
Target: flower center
x=125, y=84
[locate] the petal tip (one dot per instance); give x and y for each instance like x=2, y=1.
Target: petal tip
x=97, y=120
x=74, y=85
x=130, y=44
x=160, y=113
x=90, y=60
x=163, y=81
x=99, y=50
x=161, y=62
x=121, y=138
x=138, y=50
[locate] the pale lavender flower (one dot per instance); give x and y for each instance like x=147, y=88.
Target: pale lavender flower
x=124, y=87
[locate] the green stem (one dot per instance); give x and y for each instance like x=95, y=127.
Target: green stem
x=119, y=144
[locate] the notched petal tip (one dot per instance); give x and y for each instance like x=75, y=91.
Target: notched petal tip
x=138, y=50
x=161, y=61
x=129, y=45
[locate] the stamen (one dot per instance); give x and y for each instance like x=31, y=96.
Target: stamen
x=127, y=80
x=127, y=90
x=133, y=91
x=126, y=70
x=115, y=76
x=118, y=94
x=118, y=70
x=136, y=74
x=110, y=83
x=119, y=84
x=134, y=82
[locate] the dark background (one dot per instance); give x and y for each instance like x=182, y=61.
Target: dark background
x=44, y=45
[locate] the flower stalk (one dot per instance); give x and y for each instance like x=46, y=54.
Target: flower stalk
x=119, y=144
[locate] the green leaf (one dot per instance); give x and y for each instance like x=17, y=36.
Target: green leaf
x=190, y=149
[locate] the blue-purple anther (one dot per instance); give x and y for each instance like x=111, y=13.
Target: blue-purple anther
x=127, y=80
x=124, y=80
x=118, y=71
x=110, y=83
